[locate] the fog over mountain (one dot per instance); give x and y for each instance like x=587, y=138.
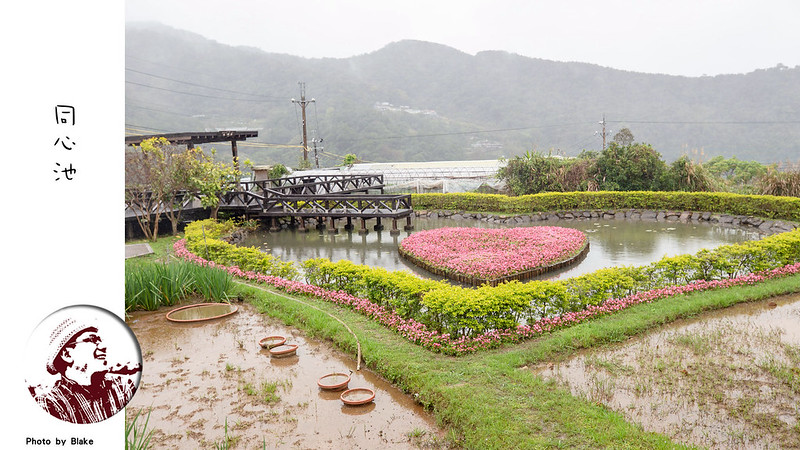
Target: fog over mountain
x=421, y=101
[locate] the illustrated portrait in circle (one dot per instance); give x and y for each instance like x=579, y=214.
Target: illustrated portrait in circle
x=84, y=364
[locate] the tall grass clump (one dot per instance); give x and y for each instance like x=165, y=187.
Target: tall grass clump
x=212, y=283
x=137, y=436
x=784, y=183
x=150, y=286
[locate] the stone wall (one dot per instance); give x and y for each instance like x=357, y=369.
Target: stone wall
x=766, y=227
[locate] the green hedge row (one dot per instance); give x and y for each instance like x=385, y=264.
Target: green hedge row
x=764, y=206
x=203, y=238
x=470, y=312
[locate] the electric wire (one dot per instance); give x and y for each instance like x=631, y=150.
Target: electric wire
x=196, y=94
x=206, y=87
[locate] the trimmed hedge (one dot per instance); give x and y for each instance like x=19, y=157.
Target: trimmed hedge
x=765, y=206
x=204, y=238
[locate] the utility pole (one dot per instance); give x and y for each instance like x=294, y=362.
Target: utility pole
x=603, y=123
x=321, y=149
x=303, y=102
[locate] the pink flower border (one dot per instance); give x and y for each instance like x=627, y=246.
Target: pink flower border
x=490, y=253
x=416, y=332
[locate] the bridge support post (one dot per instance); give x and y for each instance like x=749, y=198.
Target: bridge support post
x=320, y=223
x=301, y=223
x=273, y=225
x=332, y=228
x=378, y=226
x=408, y=226
x=394, y=231
x=349, y=225
x=363, y=230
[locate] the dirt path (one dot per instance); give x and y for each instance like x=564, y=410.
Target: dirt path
x=198, y=376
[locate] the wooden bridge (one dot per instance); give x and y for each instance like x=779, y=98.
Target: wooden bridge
x=324, y=198
x=321, y=198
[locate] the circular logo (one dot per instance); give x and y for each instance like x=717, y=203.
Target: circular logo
x=83, y=364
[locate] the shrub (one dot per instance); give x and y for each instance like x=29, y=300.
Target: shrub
x=687, y=175
x=766, y=206
x=204, y=238
x=780, y=182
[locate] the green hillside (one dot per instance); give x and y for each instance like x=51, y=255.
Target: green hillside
x=418, y=101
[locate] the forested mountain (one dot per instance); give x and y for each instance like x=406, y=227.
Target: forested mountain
x=418, y=101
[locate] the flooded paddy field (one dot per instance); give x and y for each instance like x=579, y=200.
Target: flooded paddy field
x=727, y=379
x=206, y=383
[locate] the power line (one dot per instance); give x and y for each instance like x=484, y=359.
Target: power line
x=195, y=94
x=156, y=110
x=457, y=133
x=145, y=130
x=204, y=86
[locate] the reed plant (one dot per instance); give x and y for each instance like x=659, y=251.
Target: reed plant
x=151, y=286
x=212, y=283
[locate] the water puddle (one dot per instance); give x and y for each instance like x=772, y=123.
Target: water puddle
x=196, y=313
x=197, y=376
x=730, y=378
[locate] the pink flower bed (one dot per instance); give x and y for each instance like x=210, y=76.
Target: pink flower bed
x=493, y=253
x=416, y=332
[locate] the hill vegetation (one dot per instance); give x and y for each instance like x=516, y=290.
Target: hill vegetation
x=419, y=101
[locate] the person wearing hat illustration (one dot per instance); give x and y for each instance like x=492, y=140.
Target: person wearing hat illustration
x=88, y=390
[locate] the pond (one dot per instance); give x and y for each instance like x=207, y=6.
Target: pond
x=613, y=242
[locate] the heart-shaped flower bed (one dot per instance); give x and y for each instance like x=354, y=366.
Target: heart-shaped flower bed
x=485, y=254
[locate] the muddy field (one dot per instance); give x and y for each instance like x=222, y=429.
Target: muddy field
x=211, y=383
x=730, y=379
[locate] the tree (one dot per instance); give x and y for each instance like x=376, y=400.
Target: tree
x=734, y=175
x=277, y=171
x=349, y=160
x=158, y=180
x=635, y=167
x=624, y=137
x=212, y=180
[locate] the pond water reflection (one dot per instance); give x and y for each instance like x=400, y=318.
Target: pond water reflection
x=613, y=242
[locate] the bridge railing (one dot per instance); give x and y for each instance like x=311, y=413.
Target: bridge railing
x=331, y=205
x=316, y=184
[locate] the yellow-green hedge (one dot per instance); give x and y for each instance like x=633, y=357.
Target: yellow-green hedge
x=764, y=206
x=203, y=238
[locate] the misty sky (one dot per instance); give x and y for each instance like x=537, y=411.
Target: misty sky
x=679, y=37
